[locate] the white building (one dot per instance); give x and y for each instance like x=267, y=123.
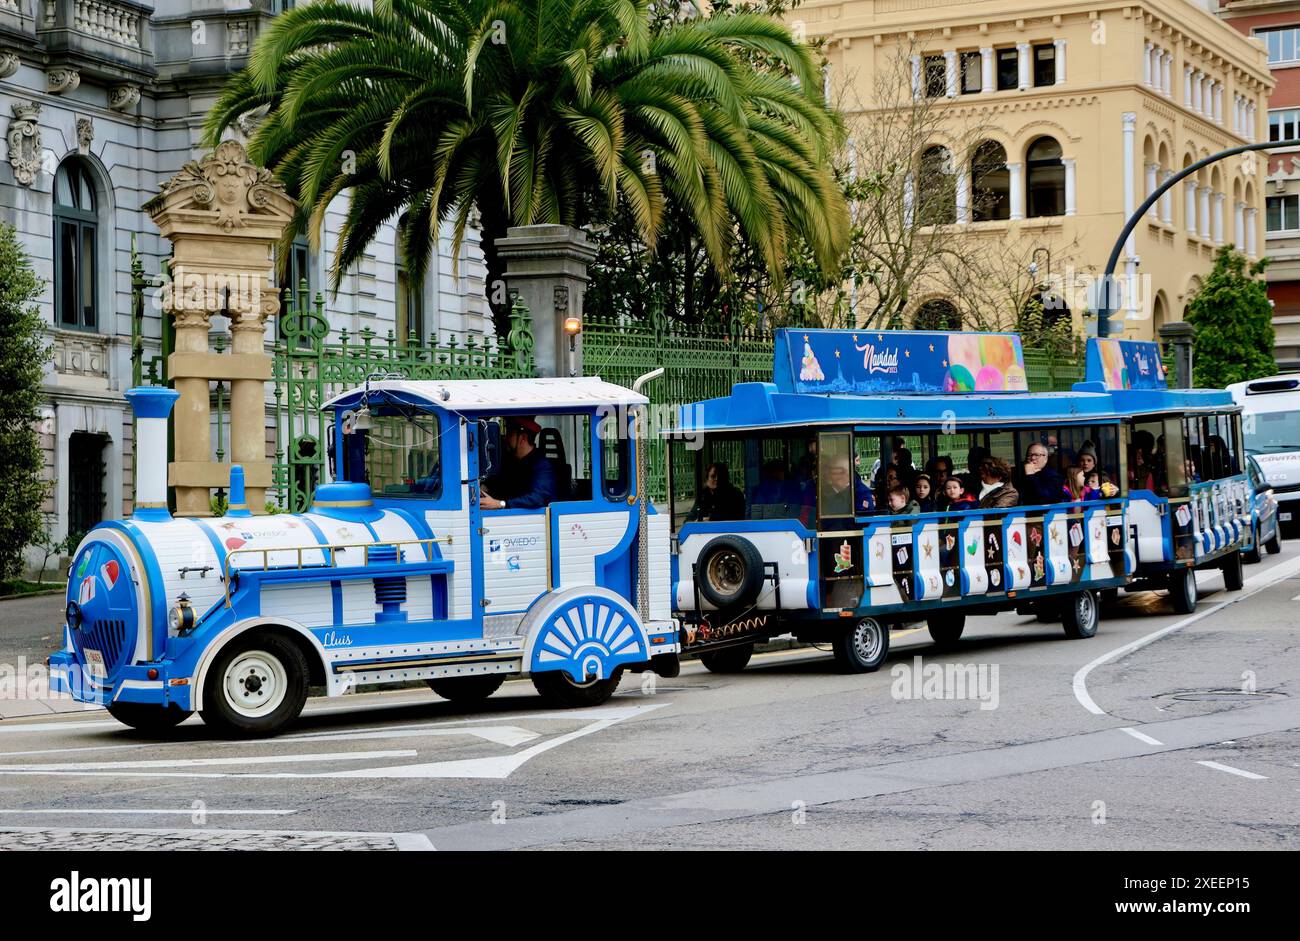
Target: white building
x=100, y=102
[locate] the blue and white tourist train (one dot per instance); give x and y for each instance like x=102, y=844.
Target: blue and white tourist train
x=885, y=478
x=408, y=566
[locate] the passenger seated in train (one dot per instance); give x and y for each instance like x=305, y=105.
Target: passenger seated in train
x=922, y=492
x=839, y=477
x=775, y=492
x=1141, y=463
x=1098, y=486
x=939, y=469
x=996, y=489
x=901, y=502
x=957, y=497
x=527, y=480
x=718, y=498
x=1038, y=482
x=973, y=480
x=1076, y=484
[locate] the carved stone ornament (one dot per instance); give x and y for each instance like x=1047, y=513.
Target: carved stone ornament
x=62, y=81
x=9, y=63
x=561, y=298
x=122, y=97
x=85, y=134
x=24, y=138
x=227, y=183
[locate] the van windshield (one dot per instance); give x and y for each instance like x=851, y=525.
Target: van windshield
x=1271, y=432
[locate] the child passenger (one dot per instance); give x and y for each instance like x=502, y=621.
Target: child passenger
x=924, y=493
x=1076, y=486
x=958, y=498
x=901, y=502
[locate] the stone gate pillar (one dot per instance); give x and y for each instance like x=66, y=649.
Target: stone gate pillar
x=222, y=215
x=547, y=265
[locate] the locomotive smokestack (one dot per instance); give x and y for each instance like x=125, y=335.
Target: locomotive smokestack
x=151, y=405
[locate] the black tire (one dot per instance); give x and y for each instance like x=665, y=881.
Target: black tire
x=1252, y=555
x=467, y=688
x=1274, y=545
x=945, y=629
x=861, y=647
x=728, y=659
x=558, y=688
x=1081, y=615
x=729, y=572
x=247, y=668
x=1233, y=579
x=1109, y=595
x=148, y=718
x=1182, y=590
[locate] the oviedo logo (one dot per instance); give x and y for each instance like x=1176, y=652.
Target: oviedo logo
x=88, y=894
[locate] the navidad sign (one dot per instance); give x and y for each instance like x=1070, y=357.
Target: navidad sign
x=897, y=361
x=1125, y=364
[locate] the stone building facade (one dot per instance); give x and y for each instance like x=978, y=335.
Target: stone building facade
x=100, y=102
x=1083, y=108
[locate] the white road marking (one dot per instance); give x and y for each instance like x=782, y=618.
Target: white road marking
x=1296, y=598
x=16, y=727
x=500, y=766
x=1231, y=770
x=150, y=763
x=144, y=811
x=510, y=735
x=1142, y=737
x=1261, y=581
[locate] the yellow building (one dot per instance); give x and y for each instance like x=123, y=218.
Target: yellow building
x=1081, y=109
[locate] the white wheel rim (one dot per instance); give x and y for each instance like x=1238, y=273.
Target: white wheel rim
x=1085, y=610
x=867, y=640
x=255, y=684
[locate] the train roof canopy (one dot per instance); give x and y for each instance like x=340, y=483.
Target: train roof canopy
x=495, y=396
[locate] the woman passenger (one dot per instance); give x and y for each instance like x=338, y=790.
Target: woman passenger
x=718, y=499
x=996, y=490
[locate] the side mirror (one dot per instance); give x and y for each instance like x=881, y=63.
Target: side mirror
x=489, y=448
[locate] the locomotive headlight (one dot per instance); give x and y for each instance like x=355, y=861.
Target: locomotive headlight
x=73, y=613
x=181, y=617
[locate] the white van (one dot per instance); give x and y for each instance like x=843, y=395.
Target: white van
x=1270, y=425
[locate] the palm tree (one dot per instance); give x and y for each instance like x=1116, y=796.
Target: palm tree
x=541, y=111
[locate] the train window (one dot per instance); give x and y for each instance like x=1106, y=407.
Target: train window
x=1146, y=470
x=1178, y=467
x=835, y=475
x=403, y=456
x=616, y=457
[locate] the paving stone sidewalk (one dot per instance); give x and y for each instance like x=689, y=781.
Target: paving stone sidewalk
x=98, y=838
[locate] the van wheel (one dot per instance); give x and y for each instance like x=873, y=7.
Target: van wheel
x=1274, y=545
x=1232, y=576
x=945, y=629
x=861, y=648
x=729, y=572
x=1080, y=615
x=1182, y=590
x=147, y=717
x=557, y=687
x=467, y=688
x=727, y=660
x=256, y=686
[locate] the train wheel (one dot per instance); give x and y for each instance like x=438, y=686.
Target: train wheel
x=1182, y=590
x=863, y=647
x=256, y=686
x=945, y=629
x=556, y=686
x=148, y=718
x=727, y=660
x=467, y=688
x=1081, y=615
x=1232, y=576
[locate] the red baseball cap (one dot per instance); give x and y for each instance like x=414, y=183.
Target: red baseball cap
x=523, y=422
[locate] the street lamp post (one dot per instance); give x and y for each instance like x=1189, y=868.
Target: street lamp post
x=1108, y=290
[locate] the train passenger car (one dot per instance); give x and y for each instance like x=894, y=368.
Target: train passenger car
x=1189, y=494
x=407, y=567
x=798, y=505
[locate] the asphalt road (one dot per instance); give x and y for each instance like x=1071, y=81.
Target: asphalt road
x=1185, y=740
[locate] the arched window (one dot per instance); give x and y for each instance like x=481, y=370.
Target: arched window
x=936, y=188
x=937, y=314
x=1044, y=179
x=75, y=241
x=990, y=183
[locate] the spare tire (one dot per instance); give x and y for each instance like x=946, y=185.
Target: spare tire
x=729, y=572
